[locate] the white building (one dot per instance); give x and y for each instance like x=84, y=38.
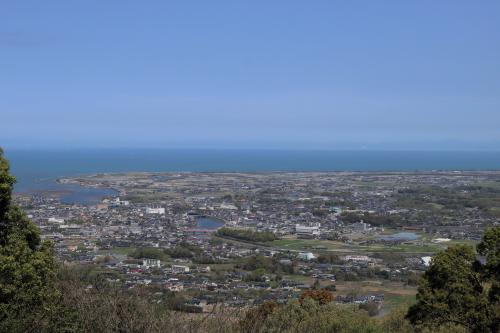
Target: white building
x=306, y=256
x=155, y=210
x=356, y=258
x=118, y=202
x=180, y=269
x=55, y=220
x=151, y=263
x=303, y=231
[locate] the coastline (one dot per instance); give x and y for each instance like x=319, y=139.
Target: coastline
x=101, y=185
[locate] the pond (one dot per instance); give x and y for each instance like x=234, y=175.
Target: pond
x=401, y=236
x=208, y=222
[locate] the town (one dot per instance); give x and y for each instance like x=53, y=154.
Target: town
x=239, y=239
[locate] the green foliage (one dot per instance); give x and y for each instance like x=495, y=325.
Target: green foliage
x=26, y=265
x=256, y=262
x=149, y=253
x=267, y=264
x=6, y=183
x=256, y=275
x=457, y=289
x=247, y=235
x=329, y=258
x=184, y=250
x=396, y=321
x=206, y=260
x=489, y=247
x=371, y=307
x=179, y=252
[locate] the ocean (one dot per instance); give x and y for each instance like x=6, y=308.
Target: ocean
x=38, y=169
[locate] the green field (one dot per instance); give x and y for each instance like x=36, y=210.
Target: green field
x=299, y=278
x=325, y=245
x=119, y=250
x=472, y=243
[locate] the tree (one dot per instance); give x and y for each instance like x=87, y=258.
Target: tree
x=371, y=307
x=26, y=264
x=254, y=318
x=458, y=290
x=309, y=315
x=321, y=296
x=490, y=249
x=6, y=183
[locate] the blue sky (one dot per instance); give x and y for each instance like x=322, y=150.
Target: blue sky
x=250, y=74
